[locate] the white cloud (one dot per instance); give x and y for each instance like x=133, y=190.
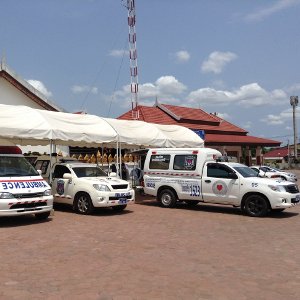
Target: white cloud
x=247, y=125
x=271, y=9
x=79, y=89
x=166, y=89
x=40, y=87
x=224, y=116
x=248, y=96
x=118, y=53
x=182, y=56
x=169, y=85
x=217, y=61
x=285, y=116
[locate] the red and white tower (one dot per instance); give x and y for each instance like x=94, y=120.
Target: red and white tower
x=130, y=5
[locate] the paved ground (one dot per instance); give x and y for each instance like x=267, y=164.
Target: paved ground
x=148, y=252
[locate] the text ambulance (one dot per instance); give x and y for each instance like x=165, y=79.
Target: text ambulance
x=22, y=189
x=194, y=175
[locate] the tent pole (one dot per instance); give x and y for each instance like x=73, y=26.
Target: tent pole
x=117, y=158
x=50, y=169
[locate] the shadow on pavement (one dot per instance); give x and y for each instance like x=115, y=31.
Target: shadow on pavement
x=25, y=220
x=104, y=212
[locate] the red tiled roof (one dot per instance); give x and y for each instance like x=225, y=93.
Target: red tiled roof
x=217, y=130
x=279, y=152
x=191, y=114
x=158, y=116
x=213, y=139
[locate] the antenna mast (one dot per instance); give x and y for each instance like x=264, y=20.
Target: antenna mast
x=130, y=5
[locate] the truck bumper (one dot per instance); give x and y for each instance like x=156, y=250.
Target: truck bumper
x=285, y=201
x=114, y=199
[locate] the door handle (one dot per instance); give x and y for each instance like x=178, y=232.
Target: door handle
x=207, y=181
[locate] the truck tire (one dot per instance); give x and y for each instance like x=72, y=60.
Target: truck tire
x=167, y=198
x=256, y=206
x=83, y=204
x=119, y=207
x=42, y=216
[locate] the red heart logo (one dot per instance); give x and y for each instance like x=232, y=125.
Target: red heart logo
x=219, y=187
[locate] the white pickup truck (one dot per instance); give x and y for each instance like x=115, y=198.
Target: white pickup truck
x=86, y=186
x=194, y=175
x=23, y=191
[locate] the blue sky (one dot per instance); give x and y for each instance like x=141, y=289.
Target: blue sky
x=237, y=58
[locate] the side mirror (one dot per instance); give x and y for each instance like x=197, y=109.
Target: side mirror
x=67, y=176
x=232, y=175
x=40, y=172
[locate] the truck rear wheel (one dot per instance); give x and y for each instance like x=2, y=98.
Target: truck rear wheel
x=83, y=204
x=167, y=198
x=256, y=206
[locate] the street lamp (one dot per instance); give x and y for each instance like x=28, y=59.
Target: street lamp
x=294, y=103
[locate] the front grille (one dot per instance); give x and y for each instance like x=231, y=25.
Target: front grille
x=30, y=195
x=28, y=205
x=120, y=186
x=117, y=198
x=292, y=188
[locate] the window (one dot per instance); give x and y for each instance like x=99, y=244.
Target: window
x=42, y=165
x=218, y=171
x=160, y=162
x=59, y=171
x=185, y=162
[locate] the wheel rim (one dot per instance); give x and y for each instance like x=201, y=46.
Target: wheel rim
x=166, y=199
x=83, y=204
x=256, y=206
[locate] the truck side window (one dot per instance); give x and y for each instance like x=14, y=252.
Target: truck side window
x=218, y=171
x=185, y=162
x=59, y=171
x=159, y=162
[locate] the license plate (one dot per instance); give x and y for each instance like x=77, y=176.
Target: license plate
x=122, y=201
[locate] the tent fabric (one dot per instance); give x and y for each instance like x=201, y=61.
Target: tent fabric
x=179, y=136
x=23, y=125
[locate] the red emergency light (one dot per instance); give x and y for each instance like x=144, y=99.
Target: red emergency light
x=10, y=150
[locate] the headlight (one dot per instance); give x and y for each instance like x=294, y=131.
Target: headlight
x=6, y=196
x=47, y=193
x=101, y=187
x=277, y=188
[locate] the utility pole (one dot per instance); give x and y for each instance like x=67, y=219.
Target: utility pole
x=294, y=103
x=130, y=5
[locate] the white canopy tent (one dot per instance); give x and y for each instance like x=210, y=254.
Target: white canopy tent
x=23, y=125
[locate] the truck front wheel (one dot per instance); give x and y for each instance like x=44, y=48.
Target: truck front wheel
x=167, y=198
x=256, y=206
x=83, y=204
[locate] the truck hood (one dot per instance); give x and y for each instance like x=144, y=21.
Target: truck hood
x=267, y=181
x=104, y=180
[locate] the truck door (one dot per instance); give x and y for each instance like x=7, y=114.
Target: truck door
x=218, y=186
x=60, y=186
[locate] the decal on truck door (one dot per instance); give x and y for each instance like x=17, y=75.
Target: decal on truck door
x=60, y=187
x=220, y=188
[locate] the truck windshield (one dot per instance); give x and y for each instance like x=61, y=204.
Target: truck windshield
x=246, y=171
x=89, y=172
x=12, y=166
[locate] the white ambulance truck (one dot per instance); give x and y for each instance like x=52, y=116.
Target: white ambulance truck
x=194, y=175
x=23, y=191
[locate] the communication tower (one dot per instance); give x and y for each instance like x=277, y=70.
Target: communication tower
x=130, y=5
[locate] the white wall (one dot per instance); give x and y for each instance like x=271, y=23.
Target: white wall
x=10, y=95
